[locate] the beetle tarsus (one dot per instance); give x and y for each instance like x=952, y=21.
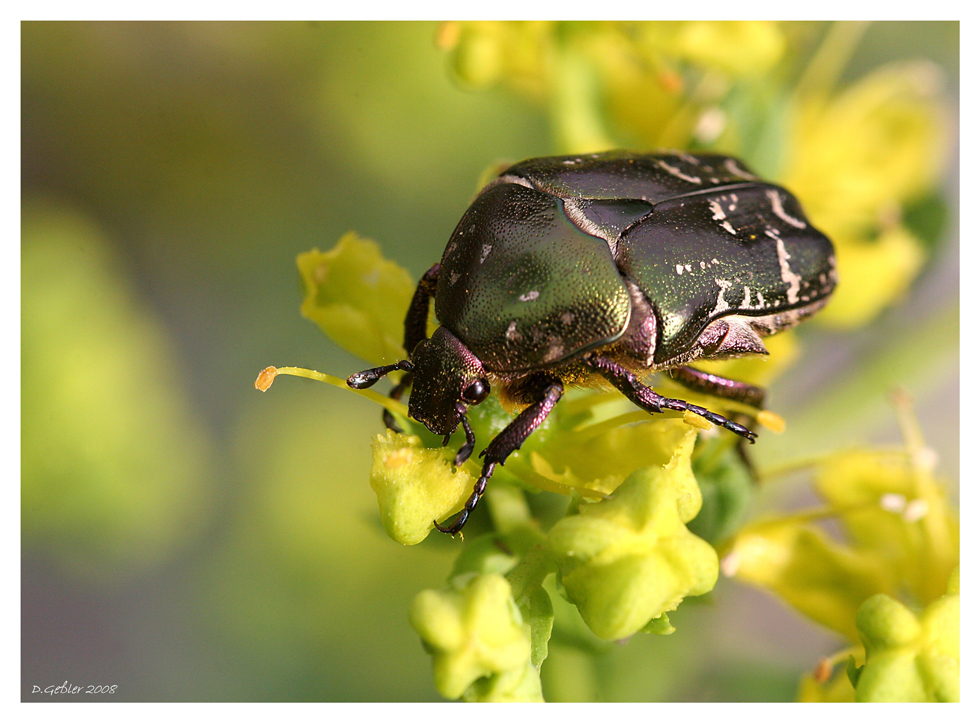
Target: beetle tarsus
x=478, y=489
x=370, y=377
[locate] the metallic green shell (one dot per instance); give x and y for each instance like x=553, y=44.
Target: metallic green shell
x=523, y=287
x=535, y=272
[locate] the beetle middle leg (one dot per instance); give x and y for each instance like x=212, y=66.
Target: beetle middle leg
x=644, y=397
x=508, y=441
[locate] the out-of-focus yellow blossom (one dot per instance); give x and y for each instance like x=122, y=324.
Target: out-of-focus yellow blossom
x=875, y=275
x=651, y=81
x=475, y=631
x=485, y=53
x=799, y=562
x=735, y=48
x=892, y=506
x=854, y=160
x=900, y=535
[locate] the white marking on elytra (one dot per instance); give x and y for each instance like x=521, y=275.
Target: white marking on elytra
x=722, y=305
x=680, y=269
x=674, y=171
x=487, y=248
x=512, y=333
x=703, y=265
x=718, y=214
x=787, y=275
x=687, y=267
x=529, y=296
x=555, y=350
x=453, y=278
x=734, y=169
x=567, y=317
x=777, y=208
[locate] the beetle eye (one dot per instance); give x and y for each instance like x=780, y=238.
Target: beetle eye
x=476, y=392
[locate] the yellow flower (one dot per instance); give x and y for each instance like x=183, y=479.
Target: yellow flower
x=415, y=485
x=475, y=631
x=629, y=559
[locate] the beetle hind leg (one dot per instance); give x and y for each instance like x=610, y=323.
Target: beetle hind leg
x=722, y=387
x=644, y=397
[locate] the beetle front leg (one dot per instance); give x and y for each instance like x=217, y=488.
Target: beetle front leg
x=417, y=318
x=504, y=444
x=644, y=397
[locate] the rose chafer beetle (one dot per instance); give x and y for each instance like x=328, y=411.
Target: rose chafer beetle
x=572, y=268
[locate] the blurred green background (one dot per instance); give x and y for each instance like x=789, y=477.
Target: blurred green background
x=187, y=538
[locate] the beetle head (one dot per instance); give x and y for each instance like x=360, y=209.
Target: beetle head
x=447, y=377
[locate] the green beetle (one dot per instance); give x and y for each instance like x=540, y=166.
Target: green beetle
x=611, y=265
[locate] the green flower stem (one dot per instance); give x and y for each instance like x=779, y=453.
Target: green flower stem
x=831, y=58
x=775, y=473
x=936, y=535
x=576, y=103
x=530, y=572
x=508, y=508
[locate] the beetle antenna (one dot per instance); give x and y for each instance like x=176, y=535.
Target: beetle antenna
x=370, y=377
